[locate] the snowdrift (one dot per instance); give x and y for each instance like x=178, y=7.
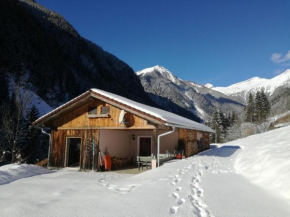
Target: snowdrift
x=12, y=172
x=265, y=160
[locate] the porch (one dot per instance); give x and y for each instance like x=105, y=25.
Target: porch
x=123, y=146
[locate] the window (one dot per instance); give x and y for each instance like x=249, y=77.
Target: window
x=92, y=110
x=105, y=110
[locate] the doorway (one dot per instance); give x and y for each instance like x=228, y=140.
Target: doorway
x=145, y=146
x=73, y=152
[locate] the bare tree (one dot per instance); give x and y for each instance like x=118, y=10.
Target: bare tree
x=13, y=129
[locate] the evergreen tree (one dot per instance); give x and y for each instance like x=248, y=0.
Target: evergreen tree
x=216, y=124
x=250, y=109
x=234, y=118
x=265, y=106
x=258, y=103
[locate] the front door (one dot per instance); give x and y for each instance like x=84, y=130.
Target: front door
x=73, y=152
x=145, y=146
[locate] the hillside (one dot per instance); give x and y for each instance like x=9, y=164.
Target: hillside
x=162, y=86
x=40, y=49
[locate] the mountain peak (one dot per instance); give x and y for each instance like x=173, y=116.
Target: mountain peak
x=208, y=85
x=255, y=84
x=161, y=71
x=151, y=69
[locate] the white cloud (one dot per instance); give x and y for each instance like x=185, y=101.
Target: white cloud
x=279, y=58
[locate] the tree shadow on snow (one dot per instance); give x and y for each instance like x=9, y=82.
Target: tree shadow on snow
x=224, y=151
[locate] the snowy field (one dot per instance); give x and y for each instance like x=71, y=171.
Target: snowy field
x=247, y=177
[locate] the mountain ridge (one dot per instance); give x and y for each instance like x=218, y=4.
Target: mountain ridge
x=257, y=84
x=160, y=83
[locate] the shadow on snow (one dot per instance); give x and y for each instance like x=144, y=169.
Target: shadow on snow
x=224, y=151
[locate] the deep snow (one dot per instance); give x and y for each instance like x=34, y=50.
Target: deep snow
x=230, y=180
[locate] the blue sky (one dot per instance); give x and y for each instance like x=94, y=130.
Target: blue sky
x=221, y=42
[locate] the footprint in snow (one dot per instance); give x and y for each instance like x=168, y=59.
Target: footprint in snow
x=111, y=187
x=181, y=201
x=177, y=180
x=175, y=195
x=174, y=209
x=173, y=183
x=178, y=189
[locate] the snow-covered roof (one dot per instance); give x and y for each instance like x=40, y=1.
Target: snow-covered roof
x=170, y=118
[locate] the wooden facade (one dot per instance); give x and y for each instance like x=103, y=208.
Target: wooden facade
x=193, y=145
x=84, y=118
x=80, y=119
x=79, y=124
x=58, y=156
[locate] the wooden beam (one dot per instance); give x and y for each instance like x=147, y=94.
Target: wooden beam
x=97, y=116
x=107, y=128
x=65, y=111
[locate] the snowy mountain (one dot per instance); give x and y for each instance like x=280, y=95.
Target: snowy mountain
x=277, y=89
x=242, y=89
x=163, y=86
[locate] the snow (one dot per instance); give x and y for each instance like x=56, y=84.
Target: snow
x=165, y=73
x=40, y=104
x=37, y=101
x=12, y=172
x=195, y=86
x=208, y=85
x=200, y=111
x=189, y=97
x=247, y=177
x=51, y=111
x=276, y=117
x=255, y=84
x=267, y=165
x=170, y=118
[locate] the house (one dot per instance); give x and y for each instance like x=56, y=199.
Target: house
x=99, y=120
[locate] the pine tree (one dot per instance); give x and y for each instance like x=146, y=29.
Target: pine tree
x=265, y=106
x=234, y=118
x=258, y=103
x=250, y=109
x=216, y=124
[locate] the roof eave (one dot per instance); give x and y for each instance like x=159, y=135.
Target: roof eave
x=190, y=128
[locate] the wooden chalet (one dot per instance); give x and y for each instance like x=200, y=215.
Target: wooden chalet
x=99, y=120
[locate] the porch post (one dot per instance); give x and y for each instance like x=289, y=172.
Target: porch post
x=154, y=141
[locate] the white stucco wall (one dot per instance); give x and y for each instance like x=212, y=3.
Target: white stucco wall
x=116, y=142
x=168, y=142
x=119, y=143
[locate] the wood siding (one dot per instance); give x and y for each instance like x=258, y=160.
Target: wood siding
x=190, y=138
x=59, y=142
x=76, y=123
x=78, y=119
